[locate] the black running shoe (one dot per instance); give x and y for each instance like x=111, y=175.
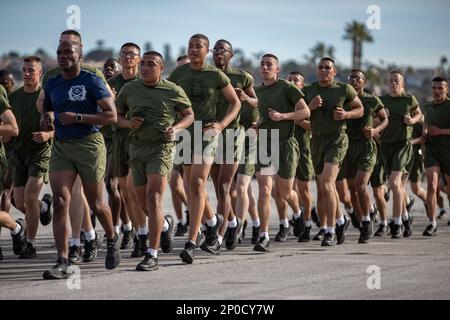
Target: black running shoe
x=212, y=232
x=387, y=195
x=213, y=249
x=149, y=263
x=305, y=236
x=319, y=236
x=374, y=216
x=411, y=203
x=46, y=216
x=364, y=235
x=29, y=253
x=166, y=240
x=244, y=228
x=255, y=234
x=127, y=239
x=315, y=216
x=340, y=230
x=282, y=233
x=1, y=254
x=442, y=213
x=397, y=231
x=262, y=245
x=355, y=222
x=448, y=223
x=329, y=240
x=58, y=271
x=231, y=239
x=90, y=249
x=430, y=231
x=181, y=230
x=112, y=253
x=298, y=225
x=382, y=230
x=140, y=246
x=187, y=255
x=20, y=239
x=408, y=226
x=75, y=254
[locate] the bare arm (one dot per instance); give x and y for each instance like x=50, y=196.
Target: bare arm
x=305, y=124
x=248, y=95
x=186, y=121
x=107, y=116
x=301, y=112
x=413, y=118
x=9, y=127
x=40, y=101
x=356, y=111
x=235, y=105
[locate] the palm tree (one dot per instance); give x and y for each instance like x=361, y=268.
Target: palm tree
x=357, y=33
x=319, y=51
x=442, y=62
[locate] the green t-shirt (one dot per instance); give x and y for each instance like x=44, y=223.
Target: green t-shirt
x=398, y=108
x=4, y=105
x=336, y=95
x=281, y=96
x=438, y=115
x=3, y=92
x=116, y=83
x=372, y=105
x=248, y=115
x=158, y=105
x=239, y=79
x=202, y=87
x=57, y=71
x=23, y=106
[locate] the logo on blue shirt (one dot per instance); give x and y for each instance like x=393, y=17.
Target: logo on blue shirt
x=77, y=93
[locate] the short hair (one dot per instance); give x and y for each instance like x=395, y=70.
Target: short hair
x=439, y=79
x=200, y=36
x=270, y=55
x=328, y=59
x=112, y=59
x=360, y=71
x=154, y=53
x=397, y=72
x=227, y=42
x=32, y=59
x=4, y=73
x=72, y=32
x=183, y=57
x=297, y=73
x=130, y=44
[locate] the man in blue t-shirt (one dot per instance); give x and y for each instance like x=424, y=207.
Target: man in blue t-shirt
x=78, y=102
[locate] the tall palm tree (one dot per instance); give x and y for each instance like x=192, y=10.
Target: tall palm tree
x=357, y=33
x=321, y=50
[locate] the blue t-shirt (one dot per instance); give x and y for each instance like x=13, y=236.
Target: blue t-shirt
x=77, y=95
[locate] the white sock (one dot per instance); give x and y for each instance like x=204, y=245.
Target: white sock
x=232, y=223
x=128, y=226
x=308, y=223
x=256, y=223
x=284, y=222
x=298, y=214
x=349, y=210
x=202, y=228
x=89, y=235
x=219, y=239
x=212, y=222
x=44, y=206
x=330, y=230
x=117, y=229
x=73, y=242
x=398, y=220
x=142, y=231
x=371, y=208
x=384, y=222
x=16, y=230
x=433, y=223
x=408, y=200
x=405, y=216
x=153, y=252
x=366, y=218
x=165, y=226
x=340, y=221
x=264, y=235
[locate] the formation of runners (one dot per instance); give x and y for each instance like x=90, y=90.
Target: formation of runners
x=129, y=131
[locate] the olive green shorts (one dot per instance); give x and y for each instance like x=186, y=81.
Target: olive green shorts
x=247, y=164
x=230, y=152
x=3, y=171
x=151, y=158
x=34, y=163
x=396, y=156
x=437, y=157
x=378, y=177
x=120, y=158
x=417, y=168
x=86, y=156
x=328, y=150
x=305, y=169
x=287, y=156
x=361, y=156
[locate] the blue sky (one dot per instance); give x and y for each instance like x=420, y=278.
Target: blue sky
x=412, y=32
